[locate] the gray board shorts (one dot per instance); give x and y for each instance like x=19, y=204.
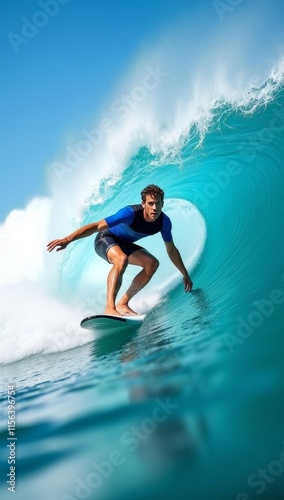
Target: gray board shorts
x=105, y=240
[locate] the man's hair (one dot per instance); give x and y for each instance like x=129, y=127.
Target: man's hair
x=152, y=190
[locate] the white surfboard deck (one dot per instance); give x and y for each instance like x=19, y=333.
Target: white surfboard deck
x=106, y=323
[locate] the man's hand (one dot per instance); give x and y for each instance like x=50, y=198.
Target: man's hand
x=187, y=283
x=57, y=243
x=175, y=257
x=82, y=232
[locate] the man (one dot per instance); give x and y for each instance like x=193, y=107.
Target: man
x=115, y=244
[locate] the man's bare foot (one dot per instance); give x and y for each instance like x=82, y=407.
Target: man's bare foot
x=112, y=311
x=125, y=310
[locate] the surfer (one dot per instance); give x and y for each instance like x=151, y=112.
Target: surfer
x=115, y=243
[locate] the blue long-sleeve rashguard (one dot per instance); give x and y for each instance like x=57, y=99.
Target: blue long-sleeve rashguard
x=129, y=224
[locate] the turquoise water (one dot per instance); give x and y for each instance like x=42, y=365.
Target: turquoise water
x=191, y=404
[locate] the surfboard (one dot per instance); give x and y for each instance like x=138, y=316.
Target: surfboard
x=106, y=323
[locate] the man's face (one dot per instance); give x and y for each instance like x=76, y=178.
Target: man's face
x=152, y=207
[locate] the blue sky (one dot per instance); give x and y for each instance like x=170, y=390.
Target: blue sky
x=55, y=81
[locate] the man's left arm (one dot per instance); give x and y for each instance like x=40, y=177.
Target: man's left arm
x=176, y=259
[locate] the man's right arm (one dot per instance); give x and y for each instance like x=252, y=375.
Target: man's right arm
x=82, y=232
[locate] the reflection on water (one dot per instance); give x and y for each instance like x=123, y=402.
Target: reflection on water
x=164, y=396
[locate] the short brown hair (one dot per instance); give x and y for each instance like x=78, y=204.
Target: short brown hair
x=152, y=190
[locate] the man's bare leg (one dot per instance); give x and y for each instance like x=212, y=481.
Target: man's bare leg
x=150, y=264
x=118, y=259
